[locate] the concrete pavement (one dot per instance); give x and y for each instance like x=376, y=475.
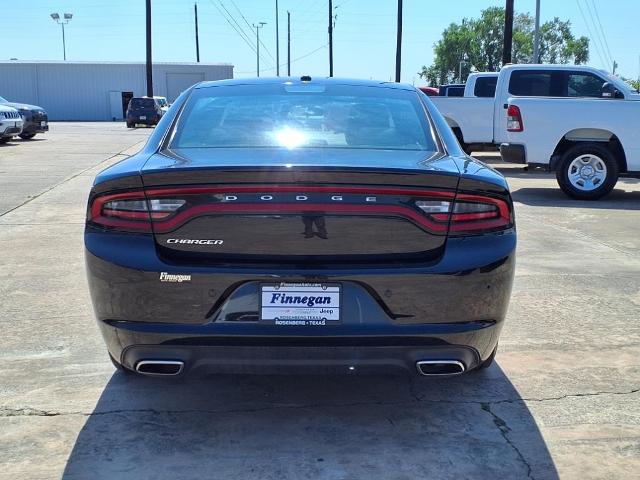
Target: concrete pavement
x=562, y=400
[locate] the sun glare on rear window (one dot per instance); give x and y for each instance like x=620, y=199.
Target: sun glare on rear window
x=227, y=117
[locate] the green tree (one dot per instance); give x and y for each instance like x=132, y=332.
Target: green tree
x=476, y=44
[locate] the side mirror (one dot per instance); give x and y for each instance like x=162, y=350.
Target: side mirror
x=610, y=91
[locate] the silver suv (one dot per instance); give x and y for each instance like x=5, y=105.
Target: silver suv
x=10, y=123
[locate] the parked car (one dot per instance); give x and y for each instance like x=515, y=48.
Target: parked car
x=430, y=91
x=35, y=118
x=145, y=111
x=479, y=85
x=164, y=105
x=10, y=123
x=451, y=90
x=245, y=238
x=578, y=121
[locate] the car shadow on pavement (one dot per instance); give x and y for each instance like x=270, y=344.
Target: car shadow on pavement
x=294, y=427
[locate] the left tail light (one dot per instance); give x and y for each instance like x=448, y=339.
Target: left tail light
x=514, y=119
x=131, y=211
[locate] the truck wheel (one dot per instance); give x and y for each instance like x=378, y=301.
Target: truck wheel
x=458, y=133
x=130, y=125
x=587, y=171
x=4, y=140
x=27, y=136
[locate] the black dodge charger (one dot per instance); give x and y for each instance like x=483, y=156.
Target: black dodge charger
x=300, y=225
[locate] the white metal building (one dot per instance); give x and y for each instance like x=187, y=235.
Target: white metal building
x=98, y=91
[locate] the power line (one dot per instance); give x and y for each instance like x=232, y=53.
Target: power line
x=301, y=57
x=242, y=35
x=602, y=60
x=598, y=33
x=250, y=26
x=604, y=36
x=240, y=27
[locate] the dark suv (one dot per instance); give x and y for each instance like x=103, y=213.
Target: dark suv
x=144, y=110
x=35, y=118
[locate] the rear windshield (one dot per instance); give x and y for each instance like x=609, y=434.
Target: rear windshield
x=305, y=117
x=142, y=103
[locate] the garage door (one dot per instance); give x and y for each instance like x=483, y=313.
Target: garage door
x=179, y=82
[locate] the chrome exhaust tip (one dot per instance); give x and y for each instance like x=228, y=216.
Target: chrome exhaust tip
x=434, y=368
x=163, y=368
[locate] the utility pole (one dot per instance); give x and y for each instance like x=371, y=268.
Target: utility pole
x=331, y=38
x=536, y=38
x=288, y=43
x=399, y=42
x=195, y=11
x=149, y=63
x=615, y=66
x=258, y=27
x=277, y=44
x=508, y=33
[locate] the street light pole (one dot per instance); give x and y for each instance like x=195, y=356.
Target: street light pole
x=149, y=62
x=277, y=43
x=288, y=43
x=399, y=41
x=330, y=38
x=536, y=39
x=195, y=11
x=62, y=22
x=258, y=27
x=507, y=44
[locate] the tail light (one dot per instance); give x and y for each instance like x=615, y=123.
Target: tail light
x=470, y=214
x=438, y=212
x=132, y=211
x=514, y=119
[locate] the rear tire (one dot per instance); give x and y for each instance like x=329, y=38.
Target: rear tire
x=4, y=140
x=587, y=171
x=27, y=136
x=130, y=125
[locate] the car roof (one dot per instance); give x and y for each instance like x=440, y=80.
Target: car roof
x=299, y=81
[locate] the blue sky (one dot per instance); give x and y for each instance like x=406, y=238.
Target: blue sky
x=364, y=36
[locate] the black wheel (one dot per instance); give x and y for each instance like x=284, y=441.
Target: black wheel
x=130, y=125
x=458, y=133
x=587, y=171
x=27, y=136
x=4, y=140
x=119, y=366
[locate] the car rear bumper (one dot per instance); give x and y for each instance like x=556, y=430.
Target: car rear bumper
x=206, y=352
x=513, y=153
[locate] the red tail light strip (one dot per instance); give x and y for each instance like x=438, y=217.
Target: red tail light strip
x=437, y=223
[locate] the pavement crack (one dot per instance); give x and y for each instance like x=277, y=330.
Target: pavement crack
x=415, y=398
x=504, y=431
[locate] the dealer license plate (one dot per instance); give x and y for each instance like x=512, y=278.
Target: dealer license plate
x=306, y=304
x=143, y=117
x=43, y=124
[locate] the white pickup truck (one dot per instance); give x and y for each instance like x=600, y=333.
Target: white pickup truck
x=578, y=121
x=470, y=112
